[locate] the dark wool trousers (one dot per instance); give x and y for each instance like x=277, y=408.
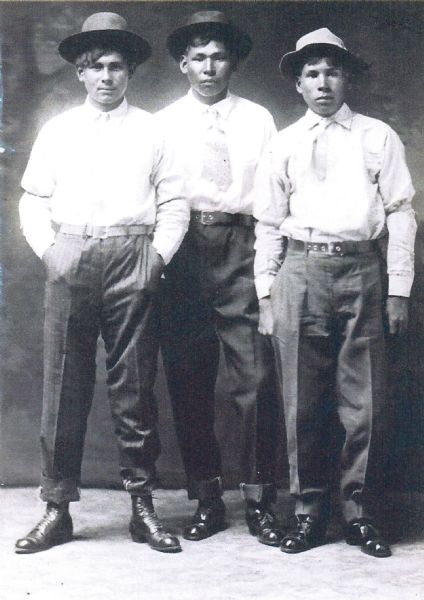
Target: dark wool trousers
x=329, y=342
x=209, y=303
x=99, y=286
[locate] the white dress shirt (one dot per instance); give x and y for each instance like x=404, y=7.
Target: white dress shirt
x=365, y=190
x=248, y=128
x=92, y=168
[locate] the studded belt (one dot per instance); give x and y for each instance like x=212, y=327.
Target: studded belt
x=205, y=217
x=333, y=248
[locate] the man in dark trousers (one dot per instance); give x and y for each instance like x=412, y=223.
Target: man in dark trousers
x=209, y=298
x=104, y=210
x=334, y=183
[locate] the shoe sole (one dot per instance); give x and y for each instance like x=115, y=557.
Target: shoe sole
x=140, y=539
x=308, y=547
x=215, y=530
x=272, y=544
x=59, y=542
x=365, y=551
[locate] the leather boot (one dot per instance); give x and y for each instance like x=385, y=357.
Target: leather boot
x=54, y=528
x=309, y=532
x=145, y=526
x=262, y=523
x=208, y=519
x=365, y=534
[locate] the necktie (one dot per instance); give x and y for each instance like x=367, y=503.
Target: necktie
x=320, y=149
x=216, y=158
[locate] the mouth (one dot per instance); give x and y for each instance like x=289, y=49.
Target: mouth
x=325, y=99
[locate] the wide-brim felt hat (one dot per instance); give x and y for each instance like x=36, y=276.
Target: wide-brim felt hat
x=201, y=21
x=105, y=29
x=321, y=41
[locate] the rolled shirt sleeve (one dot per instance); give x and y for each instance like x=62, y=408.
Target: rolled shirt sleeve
x=397, y=191
x=270, y=207
x=38, y=182
x=173, y=213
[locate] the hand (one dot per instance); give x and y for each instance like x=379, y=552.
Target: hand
x=46, y=254
x=397, y=314
x=156, y=269
x=266, y=319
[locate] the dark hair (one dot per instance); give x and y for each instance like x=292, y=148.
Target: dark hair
x=314, y=56
x=213, y=34
x=91, y=56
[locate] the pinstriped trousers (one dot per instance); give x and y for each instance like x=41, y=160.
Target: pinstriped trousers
x=329, y=342
x=99, y=287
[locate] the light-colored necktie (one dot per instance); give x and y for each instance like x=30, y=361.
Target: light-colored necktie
x=216, y=158
x=320, y=148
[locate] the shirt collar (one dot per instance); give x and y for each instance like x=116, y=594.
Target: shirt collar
x=94, y=113
x=223, y=107
x=343, y=117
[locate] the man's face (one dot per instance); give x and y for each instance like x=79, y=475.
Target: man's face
x=323, y=86
x=208, y=69
x=106, y=80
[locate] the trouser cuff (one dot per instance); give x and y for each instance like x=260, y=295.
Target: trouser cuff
x=259, y=492
x=139, y=482
x=353, y=510
x=59, y=491
x=314, y=504
x=205, y=489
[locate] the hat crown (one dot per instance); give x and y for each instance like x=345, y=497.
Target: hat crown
x=103, y=21
x=320, y=36
x=208, y=16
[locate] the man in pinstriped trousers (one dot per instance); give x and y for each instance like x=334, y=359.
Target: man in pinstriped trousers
x=103, y=209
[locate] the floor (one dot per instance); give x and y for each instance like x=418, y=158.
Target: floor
x=103, y=564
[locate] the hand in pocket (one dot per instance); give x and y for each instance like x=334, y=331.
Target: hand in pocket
x=156, y=269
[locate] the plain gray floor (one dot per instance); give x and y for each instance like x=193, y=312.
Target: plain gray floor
x=102, y=563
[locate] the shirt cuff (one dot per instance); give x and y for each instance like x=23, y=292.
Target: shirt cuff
x=263, y=285
x=400, y=285
x=162, y=250
x=40, y=246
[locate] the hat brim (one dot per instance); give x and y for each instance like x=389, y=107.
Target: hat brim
x=178, y=40
x=73, y=46
x=290, y=63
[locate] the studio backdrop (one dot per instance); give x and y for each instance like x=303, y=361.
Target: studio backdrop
x=37, y=84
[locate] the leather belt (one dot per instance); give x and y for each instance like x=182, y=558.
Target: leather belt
x=333, y=248
x=205, y=217
x=101, y=232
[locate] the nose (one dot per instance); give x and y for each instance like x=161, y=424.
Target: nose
x=209, y=66
x=323, y=81
x=106, y=74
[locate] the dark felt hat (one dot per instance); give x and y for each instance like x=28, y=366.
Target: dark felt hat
x=214, y=20
x=105, y=29
x=321, y=40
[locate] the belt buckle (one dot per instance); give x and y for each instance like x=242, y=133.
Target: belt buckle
x=206, y=218
x=335, y=248
x=88, y=230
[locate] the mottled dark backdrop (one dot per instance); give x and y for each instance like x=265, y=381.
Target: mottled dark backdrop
x=38, y=84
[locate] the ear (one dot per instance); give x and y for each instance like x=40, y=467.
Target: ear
x=183, y=64
x=298, y=85
x=80, y=73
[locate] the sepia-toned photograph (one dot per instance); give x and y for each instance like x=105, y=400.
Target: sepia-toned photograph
x=212, y=300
